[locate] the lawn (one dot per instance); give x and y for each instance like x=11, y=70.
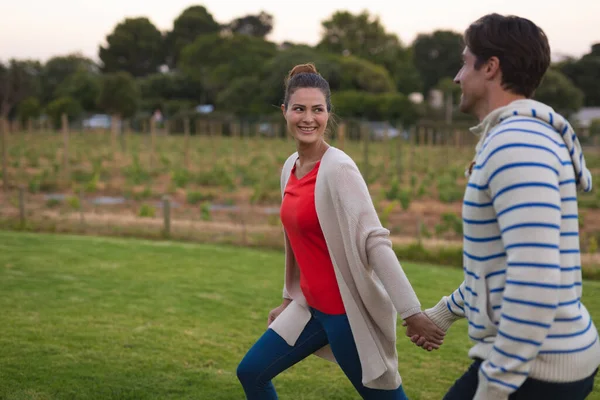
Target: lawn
x=99, y=318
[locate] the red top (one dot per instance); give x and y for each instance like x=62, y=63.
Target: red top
x=300, y=221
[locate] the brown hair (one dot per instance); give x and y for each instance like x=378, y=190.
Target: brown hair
x=306, y=76
x=520, y=45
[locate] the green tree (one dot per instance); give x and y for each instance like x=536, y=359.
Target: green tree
x=437, y=55
x=58, y=69
x=364, y=76
x=214, y=61
x=63, y=105
x=342, y=72
x=559, y=92
x=193, y=22
x=374, y=106
x=119, y=94
x=172, y=92
x=363, y=36
x=259, y=25
x=243, y=97
x=19, y=79
x=28, y=108
x=170, y=85
x=83, y=86
x=135, y=46
x=276, y=69
x=585, y=74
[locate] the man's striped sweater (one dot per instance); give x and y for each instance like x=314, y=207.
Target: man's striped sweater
x=522, y=285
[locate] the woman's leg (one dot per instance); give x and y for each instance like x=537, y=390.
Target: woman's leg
x=271, y=355
x=343, y=346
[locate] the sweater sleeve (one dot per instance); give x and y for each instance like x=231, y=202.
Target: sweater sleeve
x=523, y=181
x=449, y=309
x=374, y=245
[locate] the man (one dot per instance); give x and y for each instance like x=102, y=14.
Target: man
x=533, y=338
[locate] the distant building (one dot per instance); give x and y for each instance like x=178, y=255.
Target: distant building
x=97, y=121
x=584, y=117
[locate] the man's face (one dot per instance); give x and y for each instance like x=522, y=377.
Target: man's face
x=472, y=83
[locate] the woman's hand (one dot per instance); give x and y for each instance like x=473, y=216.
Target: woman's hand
x=274, y=313
x=424, y=332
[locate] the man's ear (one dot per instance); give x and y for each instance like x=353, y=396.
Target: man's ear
x=492, y=67
x=283, y=109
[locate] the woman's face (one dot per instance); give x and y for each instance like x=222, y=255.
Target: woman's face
x=306, y=115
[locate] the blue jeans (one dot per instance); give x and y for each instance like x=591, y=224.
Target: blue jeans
x=271, y=355
x=532, y=389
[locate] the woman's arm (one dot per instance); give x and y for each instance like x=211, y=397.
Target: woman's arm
x=353, y=197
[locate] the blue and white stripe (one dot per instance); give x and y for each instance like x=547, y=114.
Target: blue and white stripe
x=522, y=266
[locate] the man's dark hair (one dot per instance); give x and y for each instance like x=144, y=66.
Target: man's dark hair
x=520, y=45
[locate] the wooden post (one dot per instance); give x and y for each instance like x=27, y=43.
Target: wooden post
x=124, y=134
x=341, y=135
x=65, y=131
x=167, y=216
x=152, y=142
x=386, y=157
x=215, y=138
x=235, y=134
x=4, y=128
x=22, y=205
x=186, y=143
x=114, y=125
x=413, y=145
x=399, y=154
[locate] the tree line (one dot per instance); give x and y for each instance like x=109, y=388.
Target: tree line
x=233, y=67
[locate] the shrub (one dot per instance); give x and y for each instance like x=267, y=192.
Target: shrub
x=147, y=211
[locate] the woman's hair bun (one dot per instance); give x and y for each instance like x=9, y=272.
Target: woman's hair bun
x=307, y=68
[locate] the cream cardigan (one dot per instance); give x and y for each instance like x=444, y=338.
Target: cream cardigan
x=372, y=283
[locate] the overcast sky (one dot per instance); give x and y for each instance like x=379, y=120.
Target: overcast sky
x=40, y=29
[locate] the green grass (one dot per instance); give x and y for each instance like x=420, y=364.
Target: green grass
x=98, y=318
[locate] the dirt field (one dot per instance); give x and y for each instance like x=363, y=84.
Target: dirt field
x=232, y=184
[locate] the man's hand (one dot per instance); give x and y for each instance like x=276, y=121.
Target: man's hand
x=424, y=332
x=274, y=313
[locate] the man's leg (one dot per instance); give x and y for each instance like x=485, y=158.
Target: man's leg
x=465, y=387
x=343, y=346
x=271, y=355
x=533, y=389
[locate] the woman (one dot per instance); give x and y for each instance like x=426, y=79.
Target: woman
x=343, y=283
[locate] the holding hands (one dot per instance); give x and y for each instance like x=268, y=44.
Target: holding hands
x=423, y=332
